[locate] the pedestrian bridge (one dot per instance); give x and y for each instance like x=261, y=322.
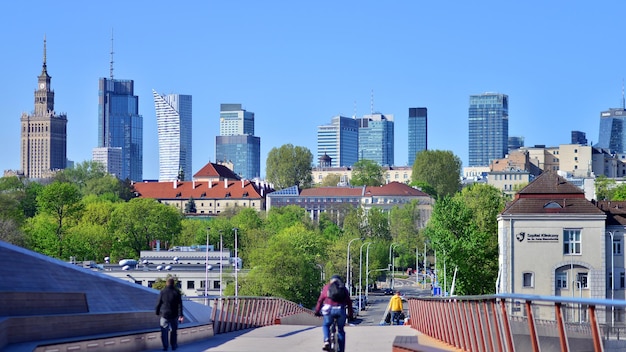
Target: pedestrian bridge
x=52, y=306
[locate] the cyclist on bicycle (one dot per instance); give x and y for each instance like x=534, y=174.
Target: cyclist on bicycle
x=332, y=304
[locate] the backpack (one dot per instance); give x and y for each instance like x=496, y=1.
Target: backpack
x=337, y=292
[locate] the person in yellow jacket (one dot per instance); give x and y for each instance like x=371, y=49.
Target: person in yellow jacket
x=395, y=307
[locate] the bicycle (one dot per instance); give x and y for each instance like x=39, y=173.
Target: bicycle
x=333, y=338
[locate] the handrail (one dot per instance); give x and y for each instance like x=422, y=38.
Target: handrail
x=237, y=313
x=517, y=322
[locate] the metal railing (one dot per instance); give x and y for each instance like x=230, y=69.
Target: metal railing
x=513, y=322
x=237, y=313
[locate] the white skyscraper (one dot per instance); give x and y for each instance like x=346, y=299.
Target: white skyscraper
x=173, y=113
x=110, y=158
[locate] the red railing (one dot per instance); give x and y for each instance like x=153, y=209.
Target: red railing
x=237, y=313
x=509, y=322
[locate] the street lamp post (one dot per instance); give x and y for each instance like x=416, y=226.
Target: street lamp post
x=348, y=265
x=206, y=268
x=612, y=278
x=236, y=264
x=367, y=268
x=360, y=270
x=391, y=261
x=221, y=260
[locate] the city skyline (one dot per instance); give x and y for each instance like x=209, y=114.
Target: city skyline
x=306, y=63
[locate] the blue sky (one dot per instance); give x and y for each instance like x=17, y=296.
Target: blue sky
x=297, y=64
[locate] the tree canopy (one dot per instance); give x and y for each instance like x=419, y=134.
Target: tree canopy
x=440, y=169
x=366, y=173
x=289, y=166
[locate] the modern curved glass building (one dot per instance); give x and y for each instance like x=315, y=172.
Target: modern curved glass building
x=173, y=112
x=612, y=133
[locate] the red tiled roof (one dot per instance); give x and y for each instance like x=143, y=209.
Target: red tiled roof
x=615, y=211
x=549, y=182
x=550, y=193
x=199, y=189
x=212, y=170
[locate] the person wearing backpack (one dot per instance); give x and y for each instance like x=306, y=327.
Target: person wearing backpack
x=332, y=303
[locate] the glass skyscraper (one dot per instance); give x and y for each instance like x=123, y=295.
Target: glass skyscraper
x=120, y=125
x=612, y=134
x=339, y=140
x=376, y=139
x=488, y=128
x=173, y=112
x=418, y=132
x=236, y=143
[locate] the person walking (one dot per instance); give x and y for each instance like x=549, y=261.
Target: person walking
x=332, y=303
x=395, y=307
x=170, y=308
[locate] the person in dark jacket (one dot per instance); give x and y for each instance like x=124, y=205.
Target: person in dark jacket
x=170, y=308
x=333, y=310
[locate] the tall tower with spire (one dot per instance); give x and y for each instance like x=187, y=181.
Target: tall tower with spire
x=120, y=125
x=43, y=147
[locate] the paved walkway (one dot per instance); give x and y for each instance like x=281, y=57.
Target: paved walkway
x=305, y=338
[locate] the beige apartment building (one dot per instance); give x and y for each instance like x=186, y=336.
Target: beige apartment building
x=553, y=242
x=400, y=174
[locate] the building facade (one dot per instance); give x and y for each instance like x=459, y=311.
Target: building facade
x=390, y=174
x=612, y=134
x=488, y=128
x=243, y=151
x=551, y=219
x=339, y=140
x=110, y=158
x=120, y=125
x=418, y=132
x=337, y=201
x=43, y=147
x=174, y=125
x=579, y=137
x=376, y=139
x=235, y=121
x=236, y=143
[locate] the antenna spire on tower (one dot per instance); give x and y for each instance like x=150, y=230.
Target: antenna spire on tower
x=44, y=52
x=372, y=103
x=111, y=63
x=623, y=101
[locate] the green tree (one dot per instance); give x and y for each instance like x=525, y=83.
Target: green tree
x=289, y=166
x=619, y=193
x=81, y=173
x=366, y=173
x=190, y=207
x=604, y=188
x=439, y=168
x=11, y=233
x=331, y=180
x=141, y=221
x=287, y=267
x=61, y=201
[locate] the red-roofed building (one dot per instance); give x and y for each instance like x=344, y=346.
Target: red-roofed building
x=334, y=199
x=214, y=189
x=553, y=242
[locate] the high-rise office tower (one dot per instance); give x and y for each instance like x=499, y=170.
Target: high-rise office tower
x=418, y=132
x=612, y=133
x=110, y=158
x=237, y=143
x=579, y=137
x=488, y=128
x=515, y=142
x=339, y=140
x=173, y=113
x=120, y=125
x=44, y=133
x=376, y=138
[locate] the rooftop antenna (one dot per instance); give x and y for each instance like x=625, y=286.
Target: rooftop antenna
x=372, y=103
x=623, y=101
x=44, y=52
x=111, y=63
x=354, y=114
